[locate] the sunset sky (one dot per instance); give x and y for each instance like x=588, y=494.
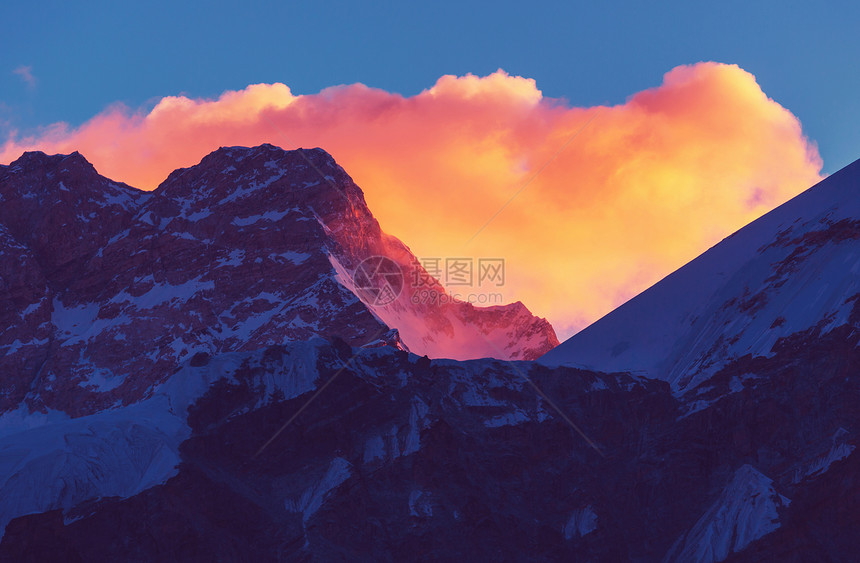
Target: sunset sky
x=615, y=152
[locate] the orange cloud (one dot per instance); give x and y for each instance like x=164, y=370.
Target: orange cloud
x=642, y=189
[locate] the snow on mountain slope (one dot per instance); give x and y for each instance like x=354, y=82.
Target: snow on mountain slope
x=384, y=404
x=794, y=268
x=106, y=289
x=746, y=511
x=112, y=453
x=54, y=462
x=456, y=329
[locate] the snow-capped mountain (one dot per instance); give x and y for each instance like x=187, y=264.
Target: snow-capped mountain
x=796, y=268
x=183, y=408
x=107, y=289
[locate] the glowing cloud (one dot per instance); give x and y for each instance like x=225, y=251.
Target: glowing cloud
x=637, y=191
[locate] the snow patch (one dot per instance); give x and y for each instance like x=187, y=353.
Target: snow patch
x=746, y=511
x=582, y=522
x=507, y=419
x=314, y=497
x=839, y=450
x=161, y=293
x=420, y=504
x=61, y=464
x=272, y=216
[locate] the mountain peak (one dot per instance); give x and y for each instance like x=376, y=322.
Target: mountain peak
x=266, y=173
x=270, y=155
x=62, y=210
x=38, y=160
x=240, y=152
x=791, y=271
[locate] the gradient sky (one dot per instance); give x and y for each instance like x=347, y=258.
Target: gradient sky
x=680, y=154
x=73, y=59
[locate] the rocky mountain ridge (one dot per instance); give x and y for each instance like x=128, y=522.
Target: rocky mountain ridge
x=107, y=289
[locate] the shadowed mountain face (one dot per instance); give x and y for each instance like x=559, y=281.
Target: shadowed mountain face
x=403, y=457
x=731, y=441
x=107, y=289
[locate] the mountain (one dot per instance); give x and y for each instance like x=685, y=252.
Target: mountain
x=400, y=455
x=272, y=443
x=106, y=289
x=316, y=450
x=794, y=270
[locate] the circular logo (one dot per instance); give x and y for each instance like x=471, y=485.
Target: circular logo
x=378, y=280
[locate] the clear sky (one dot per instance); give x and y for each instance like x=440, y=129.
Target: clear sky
x=67, y=61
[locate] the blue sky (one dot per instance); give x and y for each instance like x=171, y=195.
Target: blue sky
x=85, y=56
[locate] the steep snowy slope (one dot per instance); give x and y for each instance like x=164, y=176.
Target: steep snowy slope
x=795, y=268
x=746, y=511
